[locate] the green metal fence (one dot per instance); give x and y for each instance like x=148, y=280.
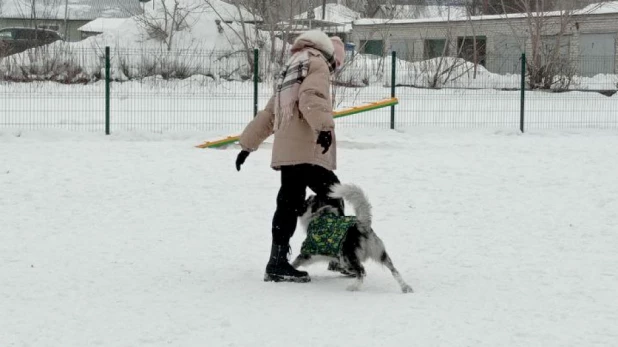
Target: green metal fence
x=107, y=90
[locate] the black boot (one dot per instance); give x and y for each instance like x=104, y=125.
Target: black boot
x=279, y=269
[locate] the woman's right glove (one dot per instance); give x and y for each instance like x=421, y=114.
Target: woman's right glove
x=241, y=159
x=325, y=139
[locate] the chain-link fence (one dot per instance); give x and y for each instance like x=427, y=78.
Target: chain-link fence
x=161, y=91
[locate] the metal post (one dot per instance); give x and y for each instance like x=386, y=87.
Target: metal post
x=255, y=81
x=523, y=92
x=393, y=80
x=107, y=90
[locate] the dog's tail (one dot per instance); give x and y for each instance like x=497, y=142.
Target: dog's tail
x=355, y=196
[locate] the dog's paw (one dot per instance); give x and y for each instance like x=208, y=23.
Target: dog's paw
x=407, y=289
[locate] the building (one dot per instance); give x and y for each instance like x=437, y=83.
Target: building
x=64, y=16
x=588, y=37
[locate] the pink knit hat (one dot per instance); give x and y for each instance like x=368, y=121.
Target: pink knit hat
x=339, y=50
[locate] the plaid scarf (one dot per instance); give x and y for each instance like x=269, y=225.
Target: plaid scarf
x=288, y=84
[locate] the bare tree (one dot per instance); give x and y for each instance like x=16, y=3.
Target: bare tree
x=242, y=35
x=276, y=26
x=163, y=24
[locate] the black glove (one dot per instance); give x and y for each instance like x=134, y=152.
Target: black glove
x=325, y=139
x=241, y=159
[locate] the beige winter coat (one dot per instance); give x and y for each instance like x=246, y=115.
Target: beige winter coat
x=296, y=143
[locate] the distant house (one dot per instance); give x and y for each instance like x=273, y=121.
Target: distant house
x=496, y=41
x=337, y=21
x=65, y=17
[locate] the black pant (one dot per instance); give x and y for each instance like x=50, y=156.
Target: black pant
x=291, y=198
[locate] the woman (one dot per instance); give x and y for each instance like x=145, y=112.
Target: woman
x=304, y=150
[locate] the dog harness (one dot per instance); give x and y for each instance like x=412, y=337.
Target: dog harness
x=325, y=235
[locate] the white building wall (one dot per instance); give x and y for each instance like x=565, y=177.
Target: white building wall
x=495, y=30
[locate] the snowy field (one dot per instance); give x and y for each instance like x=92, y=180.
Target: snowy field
x=144, y=240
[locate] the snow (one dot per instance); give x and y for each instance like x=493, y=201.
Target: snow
x=137, y=239
x=223, y=10
x=101, y=25
x=336, y=13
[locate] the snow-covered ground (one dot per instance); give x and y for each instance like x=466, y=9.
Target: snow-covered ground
x=138, y=239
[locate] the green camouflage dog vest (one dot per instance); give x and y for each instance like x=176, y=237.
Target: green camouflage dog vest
x=325, y=235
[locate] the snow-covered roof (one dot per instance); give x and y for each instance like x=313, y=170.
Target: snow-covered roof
x=422, y=11
x=101, y=25
x=610, y=7
x=76, y=9
x=334, y=13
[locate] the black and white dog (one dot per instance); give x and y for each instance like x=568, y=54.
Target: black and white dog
x=359, y=242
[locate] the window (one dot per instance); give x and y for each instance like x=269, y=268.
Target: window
x=435, y=48
x=375, y=47
x=404, y=48
x=466, y=49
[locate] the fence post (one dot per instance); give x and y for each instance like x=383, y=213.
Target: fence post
x=393, y=79
x=256, y=56
x=107, y=90
x=523, y=92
